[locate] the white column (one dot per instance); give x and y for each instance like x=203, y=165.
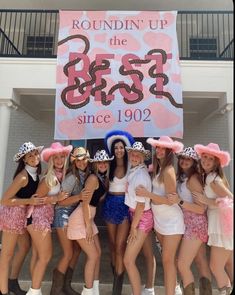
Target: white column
x=5, y=113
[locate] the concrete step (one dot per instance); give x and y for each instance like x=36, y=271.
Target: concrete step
x=105, y=289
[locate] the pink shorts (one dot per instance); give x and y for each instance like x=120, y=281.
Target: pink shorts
x=76, y=225
x=42, y=217
x=146, y=220
x=13, y=219
x=196, y=226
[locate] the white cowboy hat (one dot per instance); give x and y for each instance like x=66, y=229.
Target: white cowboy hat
x=138, y=147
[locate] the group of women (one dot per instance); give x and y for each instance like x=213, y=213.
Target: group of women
x=187, y=209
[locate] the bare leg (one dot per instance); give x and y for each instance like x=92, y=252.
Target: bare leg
x=76, y=253
x=150, y=261
x=9, y=241
x=23, y=246
x=120, y=245
x=229, y=268
x=169, y=247
x=67, y=248
x=202, y=263
x=43, y=244
x=98, y=250
x=91, y=262
x=112, y=233
x=33, y=259
x=131, y=253
x=218, y=258
x=187, y=253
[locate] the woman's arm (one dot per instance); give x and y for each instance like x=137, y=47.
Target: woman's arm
x=43, y=190
x=134, y=224
x=10, y=198
x=90, y=185
x=194, y=186
x=82, y=196
x=220, y=189
x=141, y=191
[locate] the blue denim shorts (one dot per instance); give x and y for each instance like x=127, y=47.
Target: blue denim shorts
x=114, y=209
x=62, y=215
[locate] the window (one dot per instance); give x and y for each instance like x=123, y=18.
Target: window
x=203, y=48
x=39, y=45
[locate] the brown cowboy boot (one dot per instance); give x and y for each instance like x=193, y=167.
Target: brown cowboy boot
x=68, y=290
x=189, y=289
x=205, y=286
x=57, y=283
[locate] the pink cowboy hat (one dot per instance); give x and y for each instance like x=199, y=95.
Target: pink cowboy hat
x=166, y=142
x=54, y=149
x=214, y=150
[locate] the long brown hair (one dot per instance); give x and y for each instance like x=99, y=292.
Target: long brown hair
x=75, y=171
x=193, y=170
x=168, y=161
x=217, y=169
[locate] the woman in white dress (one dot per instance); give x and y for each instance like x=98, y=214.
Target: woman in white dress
x=168, y=218
x=219, y=200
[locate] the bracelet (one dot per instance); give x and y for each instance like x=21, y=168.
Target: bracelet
x=181, y=203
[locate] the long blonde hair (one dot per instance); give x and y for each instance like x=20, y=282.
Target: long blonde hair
x=50, y=176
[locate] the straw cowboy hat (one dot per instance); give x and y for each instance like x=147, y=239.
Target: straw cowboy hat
x=26, y=148
x=101, y=156
x=79, y=153
x=138, y=147
x=214, y=150
x=166, y=142
x=189, y=152
x=118, y=134
x=54, y=149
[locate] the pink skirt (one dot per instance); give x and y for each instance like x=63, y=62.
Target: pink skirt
x=196, y=226
x=42, y=217
x=76, y=225
x=13, y=219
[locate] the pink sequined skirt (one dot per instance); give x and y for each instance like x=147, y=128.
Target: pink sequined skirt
x=13, y=219
x=42, y=217
x=196, y=226
x=146, y=220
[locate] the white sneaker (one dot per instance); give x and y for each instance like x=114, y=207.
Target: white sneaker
x=178, y=290
x=146, y=291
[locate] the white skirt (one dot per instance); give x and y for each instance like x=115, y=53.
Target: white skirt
x=216, y=235
x=168, y=220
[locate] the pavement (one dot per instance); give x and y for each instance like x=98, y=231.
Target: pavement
x=105, y=289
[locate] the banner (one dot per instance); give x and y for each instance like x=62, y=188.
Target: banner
x=118, y=70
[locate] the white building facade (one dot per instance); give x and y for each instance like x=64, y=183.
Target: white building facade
x=28, y=71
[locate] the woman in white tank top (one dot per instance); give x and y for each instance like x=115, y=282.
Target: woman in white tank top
x=168, y=218
x=219, y=200
x=195, y=219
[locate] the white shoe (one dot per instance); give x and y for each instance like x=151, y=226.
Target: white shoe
x=34, y=292
x=178, y=290
x=147, y=291
x=86, y=291
x=96, y=287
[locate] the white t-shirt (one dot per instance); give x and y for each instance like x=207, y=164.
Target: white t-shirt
x=137, y=176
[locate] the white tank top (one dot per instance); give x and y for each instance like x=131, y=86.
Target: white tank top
x=118, y=185
x=184, y=192
x=158, y=187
